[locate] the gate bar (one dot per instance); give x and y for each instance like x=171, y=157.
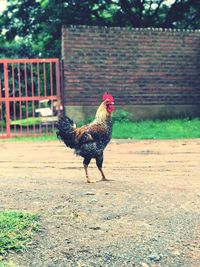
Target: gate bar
x=5, y=66
x=19, y=88
x=13, y=93
x=32, y=93
x=26, y=60
x=1, y=110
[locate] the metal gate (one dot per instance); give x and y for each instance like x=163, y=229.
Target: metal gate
x=30, y=96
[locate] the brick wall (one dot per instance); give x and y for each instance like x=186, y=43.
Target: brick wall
x=139, y=66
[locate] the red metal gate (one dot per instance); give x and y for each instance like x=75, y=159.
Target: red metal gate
x=30, y=96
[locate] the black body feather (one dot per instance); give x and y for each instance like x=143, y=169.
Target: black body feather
x=66, y=132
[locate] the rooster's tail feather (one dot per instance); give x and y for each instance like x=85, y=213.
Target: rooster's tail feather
x=65, y=131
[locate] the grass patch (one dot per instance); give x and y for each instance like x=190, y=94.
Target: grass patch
x=26, y=122
x=8, y=264
x=33, y=121
x=16, y=230
x=42, y=138
x=169, y=129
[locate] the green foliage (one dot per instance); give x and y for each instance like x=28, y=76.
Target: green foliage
x=15, y=49
x=16, y=230
x=120, y=115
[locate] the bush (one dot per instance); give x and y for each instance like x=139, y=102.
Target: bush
x=120, y=115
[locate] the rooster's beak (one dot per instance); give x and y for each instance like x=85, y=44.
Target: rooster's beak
x=112, y=103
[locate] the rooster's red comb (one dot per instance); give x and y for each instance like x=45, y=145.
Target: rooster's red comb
x=108, y=96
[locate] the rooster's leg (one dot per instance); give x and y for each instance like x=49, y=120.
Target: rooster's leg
x=99, y=163
x=86, y=162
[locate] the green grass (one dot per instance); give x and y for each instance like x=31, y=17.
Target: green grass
x=8, y=264
x=16, y=230
x=42, y=138
x=169, y=129
x=33, y=121
x=26, y=122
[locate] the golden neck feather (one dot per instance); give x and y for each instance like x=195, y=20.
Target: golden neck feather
x=102, y=115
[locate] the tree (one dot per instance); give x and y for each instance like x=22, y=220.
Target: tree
x=36, y=24
x=158, y=13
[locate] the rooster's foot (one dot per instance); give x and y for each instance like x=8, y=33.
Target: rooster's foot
x=105, y=179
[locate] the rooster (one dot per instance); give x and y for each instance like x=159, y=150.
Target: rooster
x=89, y=141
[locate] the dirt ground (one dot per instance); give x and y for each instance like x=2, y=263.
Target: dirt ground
x=148, y=214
